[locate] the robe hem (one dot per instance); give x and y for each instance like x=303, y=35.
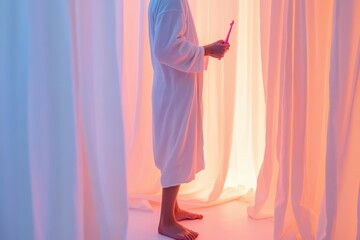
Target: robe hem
x=182, y=181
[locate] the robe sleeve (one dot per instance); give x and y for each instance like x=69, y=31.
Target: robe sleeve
x=171, y=47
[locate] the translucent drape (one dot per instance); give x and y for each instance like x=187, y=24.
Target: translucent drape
x=62, y=151
x=311, y=74
x=339, y=218
x=75, y=104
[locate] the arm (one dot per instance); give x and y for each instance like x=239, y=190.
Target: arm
x=172, y=48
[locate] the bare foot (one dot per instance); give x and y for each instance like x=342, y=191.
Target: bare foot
x=184, y=215
x=177, y=231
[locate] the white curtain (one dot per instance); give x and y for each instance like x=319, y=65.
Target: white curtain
x=310, y=177
x=62, y=148
x=75, y=108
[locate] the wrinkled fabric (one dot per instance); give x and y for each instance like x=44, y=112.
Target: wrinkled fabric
x=178, y=63
x=309, y=180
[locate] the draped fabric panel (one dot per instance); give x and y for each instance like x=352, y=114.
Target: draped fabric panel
x=342, y=182
x=281, y=114
x=311, y=74
x=15, y=186
x=62, y=146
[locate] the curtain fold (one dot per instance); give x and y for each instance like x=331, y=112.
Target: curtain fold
x=16, y=215
x=310, y=50
x=342, y=177
x=62, y=154
x=101, y=173
x=50, y=121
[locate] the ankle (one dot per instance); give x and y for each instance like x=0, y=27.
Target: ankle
x=176, y=210
x=167, y=220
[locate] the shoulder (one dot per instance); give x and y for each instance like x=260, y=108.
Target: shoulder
x=171, y=6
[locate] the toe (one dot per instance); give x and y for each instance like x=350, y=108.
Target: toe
x=188, y=237
x=183, y=237
x=191, y=237
x=194, y=234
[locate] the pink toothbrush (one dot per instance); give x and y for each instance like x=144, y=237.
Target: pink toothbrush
x=227, y=38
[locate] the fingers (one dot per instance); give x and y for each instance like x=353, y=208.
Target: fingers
x=219, y=49
x=224, y=46
x=227, y=46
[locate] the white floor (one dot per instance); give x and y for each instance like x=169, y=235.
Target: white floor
x=227, y=221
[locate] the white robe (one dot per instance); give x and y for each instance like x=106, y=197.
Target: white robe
x=178, y=64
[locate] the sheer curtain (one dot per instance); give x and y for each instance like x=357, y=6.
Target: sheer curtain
x=62, y=160
x=309, y=181
x=75, y=108
x=297, y=56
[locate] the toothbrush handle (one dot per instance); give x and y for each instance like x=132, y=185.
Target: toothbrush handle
x=228, y=35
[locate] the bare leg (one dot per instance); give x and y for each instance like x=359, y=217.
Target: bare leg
x=168, y=224
x=184, y=215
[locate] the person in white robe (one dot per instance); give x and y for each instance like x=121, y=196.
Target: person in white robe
x=178, y=62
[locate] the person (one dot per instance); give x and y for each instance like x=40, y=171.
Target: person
x=178, y=62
